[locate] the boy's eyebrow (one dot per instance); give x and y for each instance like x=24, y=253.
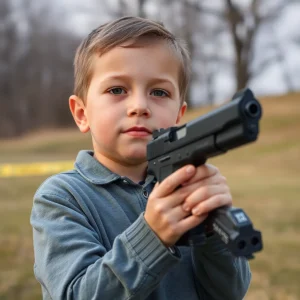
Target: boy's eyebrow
x=126, y=77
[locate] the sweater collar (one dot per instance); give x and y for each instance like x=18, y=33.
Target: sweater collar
x=95, y=172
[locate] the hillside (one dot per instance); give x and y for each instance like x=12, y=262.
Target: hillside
x=264, y=178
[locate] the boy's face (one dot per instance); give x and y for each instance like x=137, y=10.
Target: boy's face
x=133, y=91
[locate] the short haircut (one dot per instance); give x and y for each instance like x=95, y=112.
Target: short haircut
x=117, y=32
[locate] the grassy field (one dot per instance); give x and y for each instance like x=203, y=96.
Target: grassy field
x=264, y=178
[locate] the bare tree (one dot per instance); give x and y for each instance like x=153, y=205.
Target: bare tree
x=36, y=74
x=141, y=8
x=242, y=44
x=8, y=111
x=124, y=8
x=244, y=27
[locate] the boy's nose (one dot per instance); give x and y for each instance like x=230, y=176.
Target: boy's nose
x=138, y=106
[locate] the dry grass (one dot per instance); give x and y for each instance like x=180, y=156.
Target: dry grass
x=264, y=178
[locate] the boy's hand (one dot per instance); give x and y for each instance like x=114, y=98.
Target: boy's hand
x=184, y=199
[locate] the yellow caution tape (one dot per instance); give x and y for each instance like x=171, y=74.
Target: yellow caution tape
x=34, y=169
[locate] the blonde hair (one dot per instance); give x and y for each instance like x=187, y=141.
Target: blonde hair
x=115, y=33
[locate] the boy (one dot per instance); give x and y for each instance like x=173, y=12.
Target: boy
x=107, y=230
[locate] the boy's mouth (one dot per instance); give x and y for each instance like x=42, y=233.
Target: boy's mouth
x=138, y=131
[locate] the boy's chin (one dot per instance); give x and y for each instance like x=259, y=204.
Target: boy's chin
x=135, y=158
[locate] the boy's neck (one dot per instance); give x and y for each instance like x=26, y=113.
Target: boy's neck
x=136, y=173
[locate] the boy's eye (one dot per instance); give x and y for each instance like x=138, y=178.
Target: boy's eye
x=159, y=93
x=117, y=91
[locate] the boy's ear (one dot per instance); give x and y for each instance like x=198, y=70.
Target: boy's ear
x=181, y=112
x=78, y=111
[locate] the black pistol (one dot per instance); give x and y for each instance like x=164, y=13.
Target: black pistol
x=232, y=125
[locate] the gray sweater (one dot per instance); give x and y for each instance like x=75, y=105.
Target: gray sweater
x=91, y=241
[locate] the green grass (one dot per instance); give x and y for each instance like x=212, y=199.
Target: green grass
x=264, y=178
x=16, y=253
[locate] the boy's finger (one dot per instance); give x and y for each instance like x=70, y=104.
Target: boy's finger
x=204, y=193
x=202, y=172
x=172, y=182
x=211, y=204
x=190, y=222
x=214, y=180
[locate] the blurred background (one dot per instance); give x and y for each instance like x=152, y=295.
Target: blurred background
x=233, y=43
